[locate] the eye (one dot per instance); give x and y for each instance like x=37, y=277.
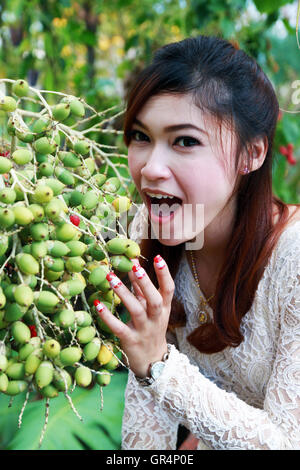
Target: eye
x=138, y=136
x=189, y=141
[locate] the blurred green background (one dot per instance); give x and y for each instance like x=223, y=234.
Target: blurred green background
x=94, y=49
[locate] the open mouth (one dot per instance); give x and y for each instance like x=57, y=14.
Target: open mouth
x=162, y=207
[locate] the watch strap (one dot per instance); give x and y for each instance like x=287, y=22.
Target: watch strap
x=148, y=380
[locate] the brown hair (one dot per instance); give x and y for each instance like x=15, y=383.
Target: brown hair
x=228, y=84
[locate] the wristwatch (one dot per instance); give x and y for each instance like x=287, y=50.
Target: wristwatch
x=155, y=369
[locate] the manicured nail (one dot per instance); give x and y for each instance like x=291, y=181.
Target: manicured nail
x=113, y=280
x=138, y=271
x=159, y=262
x=99, y=306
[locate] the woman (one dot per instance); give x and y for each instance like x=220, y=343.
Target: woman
x=226, y=345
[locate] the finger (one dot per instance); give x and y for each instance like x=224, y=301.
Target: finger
x=165, y=280
x=118, y=328
x=150, y=292
x=135, y=308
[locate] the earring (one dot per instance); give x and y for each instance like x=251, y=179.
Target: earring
x=246, y=170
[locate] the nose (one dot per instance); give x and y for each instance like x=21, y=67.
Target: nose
x=156, y=166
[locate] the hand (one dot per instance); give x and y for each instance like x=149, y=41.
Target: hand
x=143, y=338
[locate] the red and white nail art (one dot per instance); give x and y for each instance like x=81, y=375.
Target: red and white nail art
x=113, y=280
x=138, y=271
x=160, y=263
x=99, y=306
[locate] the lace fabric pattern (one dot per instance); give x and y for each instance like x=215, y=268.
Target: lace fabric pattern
x=240, y=398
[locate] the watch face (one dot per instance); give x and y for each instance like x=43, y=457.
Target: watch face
x=157, y=369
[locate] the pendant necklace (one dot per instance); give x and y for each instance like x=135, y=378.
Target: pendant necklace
x=202, y=315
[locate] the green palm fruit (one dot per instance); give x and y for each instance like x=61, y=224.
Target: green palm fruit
x=38, y=250
x=27, y=249
x=22, y=156
x=112, y=364
x=98, y=275
x=111, y=185
x=7, y=217
x=23, y=295
x=89, y=200
x=51, y=348
x=66, y=318
x=83, y=318
x=33, y=361
x=42, y=124
x=98, y=179
x=43, y=145
x=69, y=159
x=23, y=215
x=71, y=287
x=61, y=111
x=57, y=248
x=27, y=263
x=44, y=374
x=39, y=231
x=133, y=250
x=3, y=382
x=16, y=371
x=70, y=355
x=86, y=334
x=24, y=351
x=46, y=301
x=54, y=264
x=13, y=312
x=45, y=169
x=75, y=264
x=121, y=204
x=83, y=376
x=104, y=286
x=9, y=292
x=82, y=147
x=49, y=391
x=37, y=211
x=29, y=279
x=42, y=193
x=91, y=349
x=3, y=363
x=3, y=243
x=3, y=324
x=20, y=88
x=66, y=232
x=121, y=263
x=5, y=165
x=8, y=195
x=103, y=378
x=111, y=297
x=87, y=168
x=75, y=198
x=77, y=248
x=62, y=380
x=25, y=136
x=55, y=185
x=15, y=387
x=77, y=108
x=8, y=104
x=65, y=176
x=2, y=299
x=53, y=275
x=53, y=209
x=20, y=332
x=42, y=158
x=96, y=252
x=117, y=246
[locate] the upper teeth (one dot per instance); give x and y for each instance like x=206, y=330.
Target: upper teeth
x=159, y=196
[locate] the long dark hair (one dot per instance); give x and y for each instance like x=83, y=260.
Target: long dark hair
x=229, y=85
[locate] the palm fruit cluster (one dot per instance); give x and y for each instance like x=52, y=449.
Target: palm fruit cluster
x=59, y=211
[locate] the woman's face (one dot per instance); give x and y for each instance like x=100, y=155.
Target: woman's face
x=185, y=162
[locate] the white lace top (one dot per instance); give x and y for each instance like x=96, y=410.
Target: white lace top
x=246, y=397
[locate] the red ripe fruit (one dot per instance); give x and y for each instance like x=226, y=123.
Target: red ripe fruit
x=32, y=330
x=75, y=220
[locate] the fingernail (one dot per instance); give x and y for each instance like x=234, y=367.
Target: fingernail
x=113, y=280
x=99, y=306
x=138, y=271
x=159, y=262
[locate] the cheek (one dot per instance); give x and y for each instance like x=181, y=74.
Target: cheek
x=205, y=183
x=135, y=165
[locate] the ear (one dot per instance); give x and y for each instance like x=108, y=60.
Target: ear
x=259, y=148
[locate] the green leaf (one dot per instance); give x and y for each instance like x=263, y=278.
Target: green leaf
x=268, y=6
x=100, y=430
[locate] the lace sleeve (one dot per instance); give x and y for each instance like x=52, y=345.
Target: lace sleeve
x=220, y=418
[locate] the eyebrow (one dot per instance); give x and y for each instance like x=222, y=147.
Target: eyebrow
x=175, y=127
